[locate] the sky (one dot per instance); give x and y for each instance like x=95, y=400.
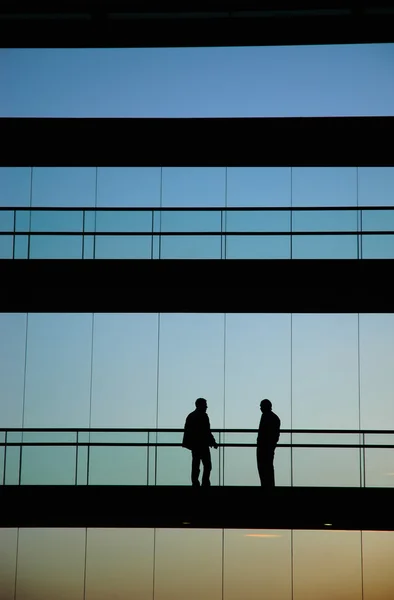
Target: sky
x=285, y=81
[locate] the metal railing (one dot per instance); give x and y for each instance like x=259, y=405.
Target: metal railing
x=212, y=233
x=341, y=458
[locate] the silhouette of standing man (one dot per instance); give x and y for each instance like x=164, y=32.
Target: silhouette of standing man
x=198, y=438
x=267, y=439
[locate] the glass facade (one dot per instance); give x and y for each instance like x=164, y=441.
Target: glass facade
x=250, y=213
x=173, y=564
x=144, y=371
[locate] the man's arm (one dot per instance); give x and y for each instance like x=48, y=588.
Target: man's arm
x=212, y=439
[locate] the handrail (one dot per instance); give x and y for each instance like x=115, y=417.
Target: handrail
x=180, y=430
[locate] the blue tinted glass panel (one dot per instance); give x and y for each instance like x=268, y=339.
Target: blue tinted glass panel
x=15, y=186
x=376, y=186
x=324, y=246
x=324, y=220
x=193, y=186
x=258, y=186
x=378, y=220
x=12, y=465
x=21, y=246
x=124, y=221
x=123, y=246
x=193, y=246
x=90, y=221
x=378, y=246
x=324, y=186
x=56, y=246
x=117, y=465
x=82, y=465
x=258, y=246
x=128, y=186
x=56, y=221
x=6, y=246
x=22, y=221
x=326, y=467
x=88, y=246
x=64, y=186
x=156, y=241
x=191, y=221
x=48, y=465
x=257, y=220
x=6, y=220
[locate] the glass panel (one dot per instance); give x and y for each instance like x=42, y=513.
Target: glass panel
x=240, y=466
x=88, y=246
x=324, y=186
x=325, y=371
x=82, y=465
x=188, y=564
x=64, y=186
x=325, y=246
x=124, y=383
x=257, y=564
x=15, y=186
x=174, y=466
x=123, y=246
x=376, y=371
x=379, y=467
x=8, y=550
x=124, y=221
x=196, y=246
x=258, y=186
x=327, y=565
x=119, y=564
x=12, y=465
x=51, y=563
x=22, y=220
x=56, y=221
x=12, y=368
x=326, y=467
x=378, y=560
x=199, y=221
x=257, y=369
x=376, y=186
x=56, y=246
x=58, y=370
x=90, y=221
x=378, y=246
x=117, y=465
x=378, y=220
x=194, y=186
x=6, y=246
x=325, y=220
x=128, y=186
x=21, y=249
x=48, y=465
x=257, y=220
x=258, y=246
x=7, y=220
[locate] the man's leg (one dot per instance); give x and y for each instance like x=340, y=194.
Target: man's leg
x=259, y=457
x=195, y=467
x=207, y=465
x=265, y=464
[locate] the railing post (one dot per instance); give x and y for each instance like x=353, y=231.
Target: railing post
x=5, y=457
x=365, y=485
x=76, y=460
x=147, y=461
x=220, y=458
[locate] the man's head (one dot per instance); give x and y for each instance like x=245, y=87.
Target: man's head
x=201, y=404
x=265, y=406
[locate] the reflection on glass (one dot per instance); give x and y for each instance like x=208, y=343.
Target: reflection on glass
x=375, y=186
x=124, y=382
x=56, y=221
x=258, y=186
x=123, y=246
x=58, y=370
x=378, y=220
x=199, y=221
x=12, y=368
x=378, y=246
x=128, y=186
x=15, y=186
x=6, y=246
x=326, y=467
x=63, y=186
x=324, y=186
x=257, y=246
x=376, y=371
x=51, y=564
x=324, y=220
x=192, y=246
x=56, y=246
x=325, y=371
x=327, y=565
x=119, y=564
x=378, y=560
x=257, y=564
x=325, y=246
x=258, y=220
x=188, y=564
x=8, y=546
x=193, y=186
x=124, y=221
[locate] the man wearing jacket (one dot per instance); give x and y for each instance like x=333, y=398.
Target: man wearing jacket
x=199, y=439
